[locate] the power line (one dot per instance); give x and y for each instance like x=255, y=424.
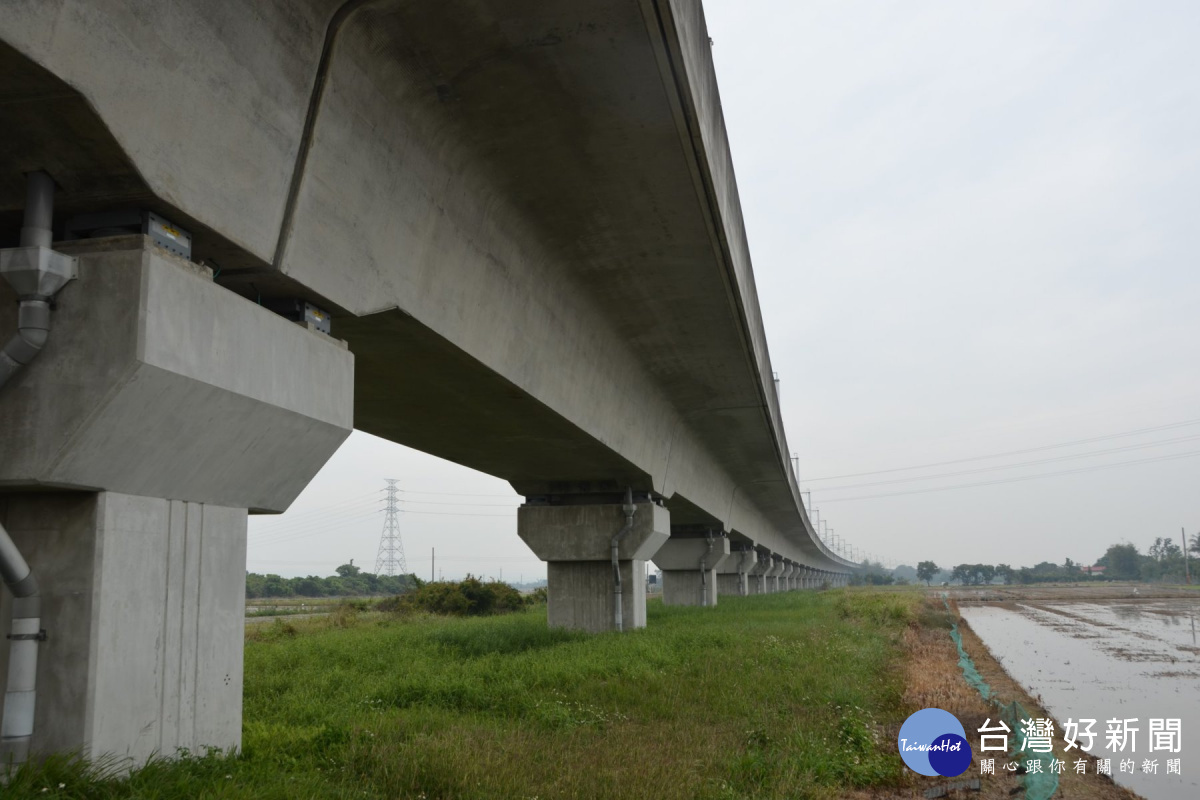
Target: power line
x=309, y=529
x=458, y=494
x=1137, y=432
x=471, y=505
x=453, y=514
x=293, y=517
x=312, y=528
x=1020, y=477
x=1035, y=462
x=310, y=522
x=329, y=531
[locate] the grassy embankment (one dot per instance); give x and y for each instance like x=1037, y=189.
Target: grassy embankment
x=790, y=695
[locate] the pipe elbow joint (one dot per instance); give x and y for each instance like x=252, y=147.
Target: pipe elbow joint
x=35, y=338
x=23, y=348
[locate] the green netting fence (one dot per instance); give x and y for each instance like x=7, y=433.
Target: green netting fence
x=1038, y=785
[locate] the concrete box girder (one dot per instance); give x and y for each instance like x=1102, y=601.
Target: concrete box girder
x=453, y=206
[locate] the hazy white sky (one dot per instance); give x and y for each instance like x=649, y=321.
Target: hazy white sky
x=975, y=230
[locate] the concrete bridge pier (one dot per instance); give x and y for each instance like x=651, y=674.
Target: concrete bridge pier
x=758, y=573
x=161, y=408
x=774, y=572
x=689, y=562
x=574, y=535
x=733, y=576
x=786, y=580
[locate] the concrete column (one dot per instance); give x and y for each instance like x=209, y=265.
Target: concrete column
x=758, y=573
x=773, y=573
x=575, y=542
x=785, y=580
x=145, y=605
x=689, y=563
x=733, y=576
x=161, y=409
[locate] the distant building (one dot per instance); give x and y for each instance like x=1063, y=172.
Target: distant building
x=1097, y=569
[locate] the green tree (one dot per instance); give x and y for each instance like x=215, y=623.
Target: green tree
x=348, y=570
x=1007, y=573
x=926, y=570
x=1123, y=562
x=275, y=586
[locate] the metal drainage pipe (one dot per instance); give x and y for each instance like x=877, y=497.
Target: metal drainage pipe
x=629, y=508
x=36, y=273
x=704, y=571
x=33, y=314
x=16, y=728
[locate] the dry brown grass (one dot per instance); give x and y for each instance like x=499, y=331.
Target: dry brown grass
x=933, y=679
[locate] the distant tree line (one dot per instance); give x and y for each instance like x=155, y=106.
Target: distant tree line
x=350, y=581
x=874, y=573
x=1163, y=562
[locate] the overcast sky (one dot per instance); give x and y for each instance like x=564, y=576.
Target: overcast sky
x=974, y=229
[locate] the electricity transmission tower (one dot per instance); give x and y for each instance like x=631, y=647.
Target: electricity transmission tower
x=390, y=560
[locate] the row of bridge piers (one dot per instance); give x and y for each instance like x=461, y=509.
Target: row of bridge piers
x=596, y=556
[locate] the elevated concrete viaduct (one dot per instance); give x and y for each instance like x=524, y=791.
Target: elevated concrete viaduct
x=521, y=217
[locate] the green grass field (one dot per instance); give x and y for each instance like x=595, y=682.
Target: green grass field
x=771, y=696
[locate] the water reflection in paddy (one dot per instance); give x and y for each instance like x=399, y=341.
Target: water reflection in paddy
x=1105, y=660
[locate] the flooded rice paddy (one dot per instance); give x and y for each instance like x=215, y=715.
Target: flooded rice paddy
x=1125, y=656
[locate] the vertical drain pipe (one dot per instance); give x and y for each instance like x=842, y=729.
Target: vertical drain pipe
x=36, y=273
x=629, y=508
x=16, y=729
x=704, y=570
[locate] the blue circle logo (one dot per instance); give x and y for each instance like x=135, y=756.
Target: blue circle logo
x=932, y=742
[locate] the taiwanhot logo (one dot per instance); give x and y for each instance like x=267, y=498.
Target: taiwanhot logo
x=933, y=742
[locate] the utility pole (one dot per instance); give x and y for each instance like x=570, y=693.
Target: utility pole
x=390, y=560
x=432, y=562
x=1186, y=569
